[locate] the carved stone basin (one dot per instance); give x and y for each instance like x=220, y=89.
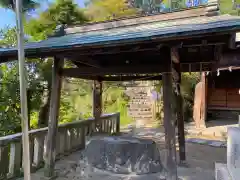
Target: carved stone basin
x=124, y=155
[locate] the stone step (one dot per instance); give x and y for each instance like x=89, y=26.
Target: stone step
x=137, y=106
x=138, y=93
x=142, y=117
x=140, y=100
x=141, y=103
x=140, y=112
x=138, y=90
x=148, y=104
x=139, y=109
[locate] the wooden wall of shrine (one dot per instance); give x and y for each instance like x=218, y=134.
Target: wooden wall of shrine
x=223, y=98
x=223, y=90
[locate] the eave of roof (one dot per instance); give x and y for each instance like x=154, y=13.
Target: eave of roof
x=160, y=30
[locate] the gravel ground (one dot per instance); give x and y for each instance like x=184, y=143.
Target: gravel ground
x=199, y=166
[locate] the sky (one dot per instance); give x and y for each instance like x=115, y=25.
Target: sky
x=8, y=18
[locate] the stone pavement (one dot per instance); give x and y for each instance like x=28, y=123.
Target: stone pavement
x=200, y=164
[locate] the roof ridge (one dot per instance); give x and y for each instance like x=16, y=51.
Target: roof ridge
x=189, y=13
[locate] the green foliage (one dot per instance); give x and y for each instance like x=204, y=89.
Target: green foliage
x=8, y=37
x=226, y=7
x=188, y=84
x=115, y=100
x=28, y=5
x=59, y=13
x=100, y=10
x=76, y=98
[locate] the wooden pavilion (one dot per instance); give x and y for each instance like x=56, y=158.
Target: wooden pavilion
x=126, y=49
x=217, y=96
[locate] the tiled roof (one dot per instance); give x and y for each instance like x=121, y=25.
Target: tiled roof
x=146, y=31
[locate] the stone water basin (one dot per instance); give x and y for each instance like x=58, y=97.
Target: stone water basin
x=124, y=155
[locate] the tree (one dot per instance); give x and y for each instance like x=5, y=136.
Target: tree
x=226, y=7
x=9, y=91
x=28, y=5
x=101, y=10
x=61, y=12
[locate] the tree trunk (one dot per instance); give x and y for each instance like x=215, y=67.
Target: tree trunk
x=44, y=110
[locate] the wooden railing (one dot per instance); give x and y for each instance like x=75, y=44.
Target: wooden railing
x=71, y=137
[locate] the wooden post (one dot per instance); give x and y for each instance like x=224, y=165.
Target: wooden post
x=118, y=123
x=97, y=102
x=178, y=102
x=53, y=117
x=97, y=99
x=169, y=125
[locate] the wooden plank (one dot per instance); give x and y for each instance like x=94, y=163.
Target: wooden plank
x=179, y=102
x=233, y=105
x=53, y=117
x=169, y=125
x=224, y=108
x=117, y=123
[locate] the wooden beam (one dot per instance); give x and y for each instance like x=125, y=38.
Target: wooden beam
x=118, y=50
x=90, y=49
x=217, y=57
x=132, y=78
x=85, y=60
x=91, y=72
x=120, y=78
x=232, y=41
x=179, y=102
x=78, y=72
x=169, y=126
x=53, y=117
